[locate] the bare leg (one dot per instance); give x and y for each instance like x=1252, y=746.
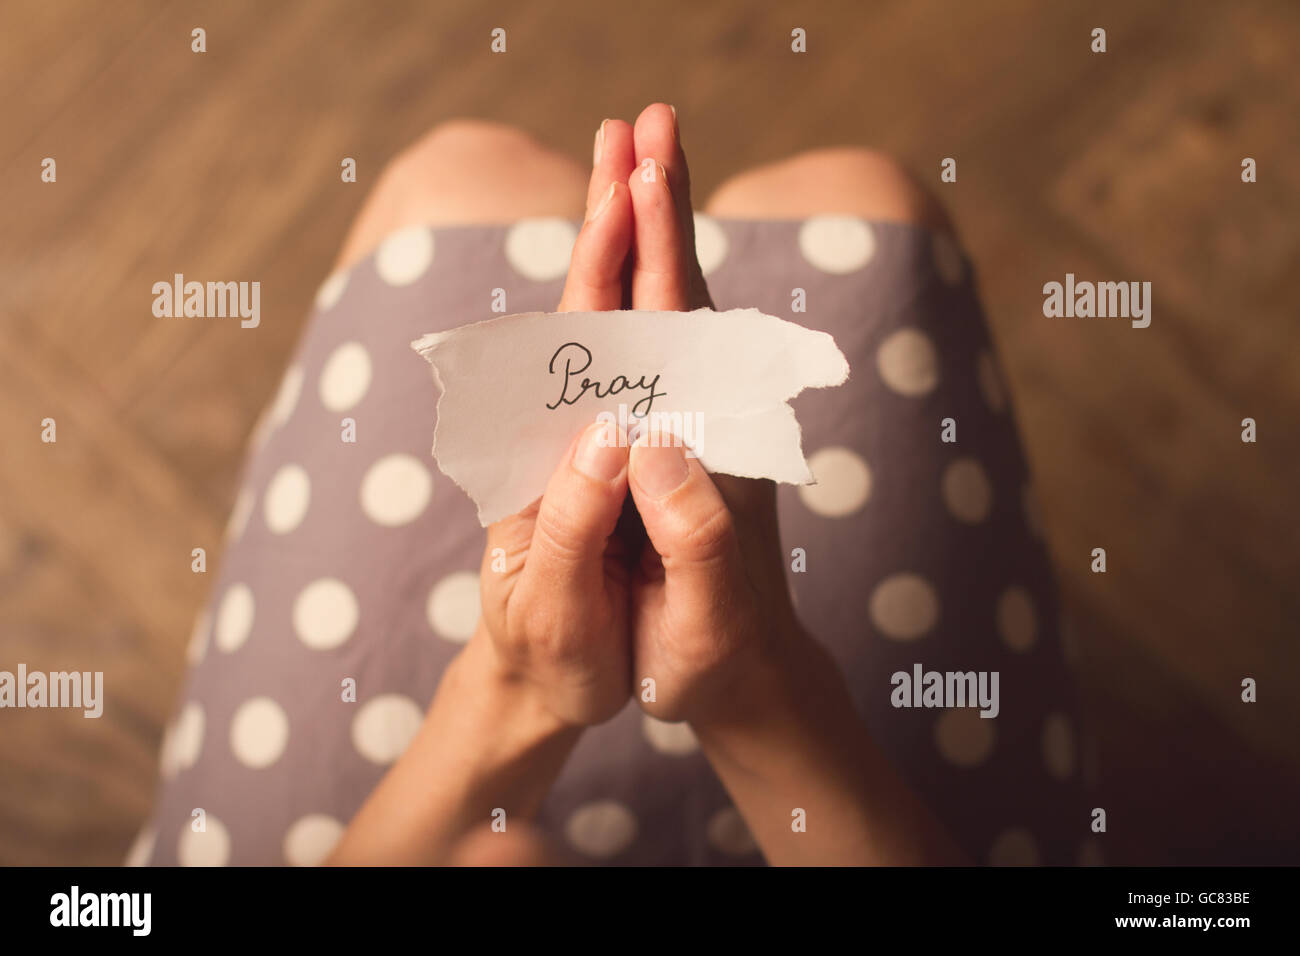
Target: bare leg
x=848, y=180
x=467, y=172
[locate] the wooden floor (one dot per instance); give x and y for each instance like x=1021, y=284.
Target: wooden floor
x=1122, y=166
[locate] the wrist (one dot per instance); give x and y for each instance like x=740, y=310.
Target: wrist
x=484, y=744
x=505, y=700
x=770, y=678
x=510, y=747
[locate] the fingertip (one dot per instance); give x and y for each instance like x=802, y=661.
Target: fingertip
x=686, y=519
x=657, y=469
x=618, y=150
x=600, y=452
x=580, y=509
x=656, y=124
x=613, y=157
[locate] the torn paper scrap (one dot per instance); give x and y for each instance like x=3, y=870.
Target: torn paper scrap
x=514, y=391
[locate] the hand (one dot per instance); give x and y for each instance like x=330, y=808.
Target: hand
x=556, y=615
x=710, y=602
x=712, y=619
x=710, y=616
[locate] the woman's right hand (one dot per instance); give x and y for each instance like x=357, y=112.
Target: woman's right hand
x=554, y=588
x=554, y=581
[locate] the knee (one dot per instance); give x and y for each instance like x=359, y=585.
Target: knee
x=848, y=180
x=872, y=180
x=466, y=171
x=454, y=145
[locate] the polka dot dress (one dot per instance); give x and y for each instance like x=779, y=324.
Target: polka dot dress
x=350, y=578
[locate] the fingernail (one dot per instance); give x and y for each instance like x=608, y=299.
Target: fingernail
x=658, y=468
x=663, y=177
x=674, y=109
x=603, y=204
x=599, y=145
x=598, y=454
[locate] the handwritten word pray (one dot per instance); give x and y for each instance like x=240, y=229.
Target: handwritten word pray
x=577, y=359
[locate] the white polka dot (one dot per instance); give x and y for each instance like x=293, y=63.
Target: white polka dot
x=286, y=398
x=454, y=606
x=728, y=832
x=843, y=483
x=1058, y=746
x=142, y=849
x=1017, y=619
x=239, y=514
x=907, y=363
x=539, y=249
x=404, y=256
x=1014, y=847
x=710, y=243
x=311, y=840
x=234, y=618
x=187, y=737
x=1090, y=853
x=395, y=490
x=383, y=727
x=1033, y=511
x=197, y=648
x=345, y=377
x=287, y=497
x=947, y=258
x=603, y=829
x=990, y=382
x=259, y=732
x=674, y=739
x=964, y=738
x=325, y=614
x=331, y=290
x=966, y=491
x=837, y=244
x=904, y=606
x=209, y=848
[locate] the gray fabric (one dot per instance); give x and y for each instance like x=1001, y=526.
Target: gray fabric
x=621, y=799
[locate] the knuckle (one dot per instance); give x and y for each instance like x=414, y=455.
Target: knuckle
x=550, y=636
x=561, y=533
x=712, y=536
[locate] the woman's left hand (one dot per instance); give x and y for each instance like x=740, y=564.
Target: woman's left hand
x=710, y=601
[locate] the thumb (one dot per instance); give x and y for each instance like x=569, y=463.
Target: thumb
x=687, y=522
x=578, y=513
